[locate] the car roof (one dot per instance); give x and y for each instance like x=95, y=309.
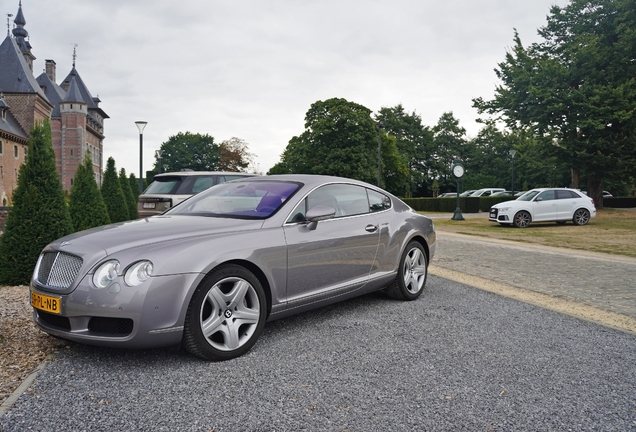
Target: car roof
x=191, y=173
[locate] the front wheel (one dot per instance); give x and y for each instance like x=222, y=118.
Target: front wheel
x=521, y=219
x=411, y=278
x=581, y=217
x=226, y=314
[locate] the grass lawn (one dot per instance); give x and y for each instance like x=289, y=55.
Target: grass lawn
x=612, y=231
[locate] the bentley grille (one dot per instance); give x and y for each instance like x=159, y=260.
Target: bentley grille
x=58, y=269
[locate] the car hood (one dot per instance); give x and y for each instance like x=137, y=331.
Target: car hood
x=141, y=232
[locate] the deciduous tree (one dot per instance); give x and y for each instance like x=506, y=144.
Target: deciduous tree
x=197, y=152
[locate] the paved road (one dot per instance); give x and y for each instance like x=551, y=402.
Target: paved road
x=603, y=281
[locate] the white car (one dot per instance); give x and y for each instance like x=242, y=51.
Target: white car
x=486, y=192
x=545, y=205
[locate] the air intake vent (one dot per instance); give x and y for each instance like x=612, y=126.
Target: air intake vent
x=57, y=269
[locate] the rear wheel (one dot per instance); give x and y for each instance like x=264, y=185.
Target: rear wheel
x=226, y=314
x=521, y=219
x=411, y=278
x=581, y=217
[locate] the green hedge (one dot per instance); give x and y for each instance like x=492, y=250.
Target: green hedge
x=619, y=202
x=466, y=204
x=483, y=204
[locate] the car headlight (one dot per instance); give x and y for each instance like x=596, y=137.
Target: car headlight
x=106, y=273
x=138, y=273
x=504, y=209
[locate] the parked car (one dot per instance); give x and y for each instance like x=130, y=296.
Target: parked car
x=169, y=189
x=502, y=193
x=209, y=273
x=606, y=194
x=486, y=192
x=447, y=195
x=545, y=205
x=466, y=193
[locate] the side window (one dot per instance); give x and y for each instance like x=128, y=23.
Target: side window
x=345, y=199
x=378, y=201
x=565, y=194
x=202, y=183
x=547, y=195
x=1, y=148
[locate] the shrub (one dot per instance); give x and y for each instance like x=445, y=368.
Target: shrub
x=87, y=206
x=131, y=202
x=39, y=215
x=113, y=194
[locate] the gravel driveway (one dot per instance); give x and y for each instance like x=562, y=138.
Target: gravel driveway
x=456, y=359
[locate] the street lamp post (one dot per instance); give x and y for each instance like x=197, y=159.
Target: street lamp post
x=513, y=153
x=141, y=125
x=158, y=153
x=380, y=126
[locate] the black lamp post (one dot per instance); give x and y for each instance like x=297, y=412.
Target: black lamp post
x=141, y=125
x=458, y=171
x=513, y=153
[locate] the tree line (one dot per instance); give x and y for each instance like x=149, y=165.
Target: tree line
x=566, y=105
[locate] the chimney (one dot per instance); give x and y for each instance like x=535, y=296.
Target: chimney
x=50, y=69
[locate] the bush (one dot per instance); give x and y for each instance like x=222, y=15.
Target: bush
x=87, y=206
x=128, y=194
x=619, y=202
x=113, y=194
x=466, y=204
x=39, y=214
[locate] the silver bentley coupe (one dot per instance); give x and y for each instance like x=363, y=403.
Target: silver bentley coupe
x=208, y=273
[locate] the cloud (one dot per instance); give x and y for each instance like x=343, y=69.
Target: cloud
x=251, y=69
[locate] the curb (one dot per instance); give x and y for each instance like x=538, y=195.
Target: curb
x=8, y=402
x=578, y=310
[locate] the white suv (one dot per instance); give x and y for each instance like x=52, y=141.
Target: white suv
x=545, y=205
x=169, y=189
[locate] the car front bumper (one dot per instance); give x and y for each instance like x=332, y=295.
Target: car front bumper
x=147, y=316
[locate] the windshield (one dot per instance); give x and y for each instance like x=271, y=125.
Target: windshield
x=528, y=195
x=242, y=200
x=163, y=185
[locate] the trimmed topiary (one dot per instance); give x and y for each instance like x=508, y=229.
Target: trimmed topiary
x=39, y=214
x=113, y=194
x=87, y=206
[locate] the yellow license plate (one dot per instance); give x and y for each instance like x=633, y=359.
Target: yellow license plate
x=46, y=303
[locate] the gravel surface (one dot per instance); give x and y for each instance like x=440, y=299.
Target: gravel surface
x=22, y=345
x=456, y=359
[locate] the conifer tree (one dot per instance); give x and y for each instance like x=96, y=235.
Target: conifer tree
x=113, y=194
x=134, y=186
x=87, y=206
x=39, y=214
x=130, y=199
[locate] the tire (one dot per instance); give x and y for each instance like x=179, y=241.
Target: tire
x=521, y=219
x=581, y=217
x=412, y=273
x=226, y=314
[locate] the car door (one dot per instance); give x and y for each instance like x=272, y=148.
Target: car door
x=339, y=253
x=545, y=206
x=568, y=202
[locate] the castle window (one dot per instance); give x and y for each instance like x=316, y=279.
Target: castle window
x=71, y=152
x=1, y=148
x=15, y=151
x=71, y=182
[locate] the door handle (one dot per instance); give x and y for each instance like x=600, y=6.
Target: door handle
x=371, y=228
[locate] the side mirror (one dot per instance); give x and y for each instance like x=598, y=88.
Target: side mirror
x=318, y=213
x=539, y=199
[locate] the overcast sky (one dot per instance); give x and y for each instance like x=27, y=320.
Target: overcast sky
x=251, y=69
